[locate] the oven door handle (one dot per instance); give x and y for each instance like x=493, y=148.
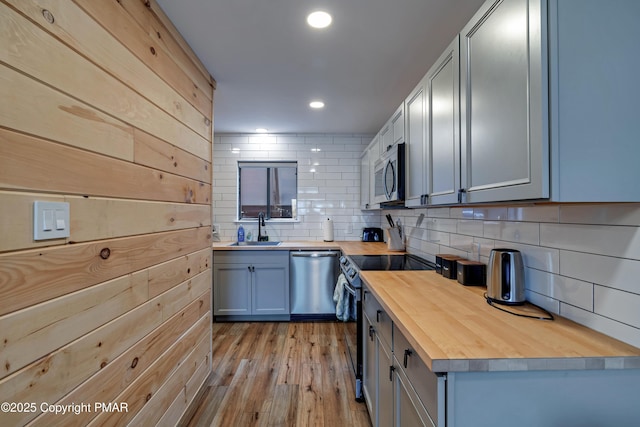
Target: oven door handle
x=349, y=289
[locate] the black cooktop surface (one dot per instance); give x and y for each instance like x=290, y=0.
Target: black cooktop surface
x=391, y=262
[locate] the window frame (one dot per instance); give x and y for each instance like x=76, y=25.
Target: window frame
x=269, y=165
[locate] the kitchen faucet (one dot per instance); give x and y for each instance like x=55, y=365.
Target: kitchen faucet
x=261, y=224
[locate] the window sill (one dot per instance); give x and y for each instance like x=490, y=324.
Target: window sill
x=267, y=221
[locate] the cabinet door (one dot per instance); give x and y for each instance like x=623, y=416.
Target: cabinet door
x=270, y=289
x=443, y=123
x=386, y=137
x=385, y=385
x=504, y=99
x=397, y=123
x=408, y=410
x=370, y=368
x=416, y=147
x=231, y=290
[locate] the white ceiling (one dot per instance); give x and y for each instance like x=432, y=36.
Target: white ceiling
x=269, y=64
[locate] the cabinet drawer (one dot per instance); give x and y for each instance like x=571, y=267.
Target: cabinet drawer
x=423, y=381
x=378, y=317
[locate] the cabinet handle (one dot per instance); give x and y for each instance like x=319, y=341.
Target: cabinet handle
x=424, y=199
x=372, y=332
x=378, y=313
x=460, y=193
x=249, y=268
x=407, y=352
x=391, y=369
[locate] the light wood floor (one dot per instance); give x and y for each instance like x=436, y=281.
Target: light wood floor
x=280, y=374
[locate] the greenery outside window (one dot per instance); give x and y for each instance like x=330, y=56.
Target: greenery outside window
x=267, y=187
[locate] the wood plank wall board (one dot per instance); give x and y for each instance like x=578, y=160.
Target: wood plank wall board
x=176, y=37
x=95, y=218
x=46, y=112
x=162, y=399
x=26, y=164
x=15, y=232
x=34, y=276
x=124, y=135
x=124, y=28
x=58, y=321
x=154, y=152
x=158, y=31
x=163, y=277
x=172, y=365
x=49, y=60
x=53, y=376
x=77, y=30
x=177, y=413
x=114, y=378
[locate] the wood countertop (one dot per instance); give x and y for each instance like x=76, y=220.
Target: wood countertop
x=453, y=329
x=347, y=247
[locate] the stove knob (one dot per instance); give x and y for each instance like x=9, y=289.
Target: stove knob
x=343, y=260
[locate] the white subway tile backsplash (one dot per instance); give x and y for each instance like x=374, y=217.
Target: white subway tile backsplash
x=618, y=273
x=618, y=305
x=571, y=291
x=516, y=232
x=470, y=227
x=487, y=214
x=619, y=241
x=613, y=214
x=613, y=328
x=534, y=213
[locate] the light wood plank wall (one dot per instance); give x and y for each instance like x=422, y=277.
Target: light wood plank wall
x=103, y=105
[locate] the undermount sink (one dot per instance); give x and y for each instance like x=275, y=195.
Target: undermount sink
x=269, y=243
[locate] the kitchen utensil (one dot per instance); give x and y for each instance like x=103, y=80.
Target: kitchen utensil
x=390, y=220
x=506, y=277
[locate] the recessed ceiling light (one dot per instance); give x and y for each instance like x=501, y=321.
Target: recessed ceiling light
x=319, y=19
x=262, y=130
x=316, y=104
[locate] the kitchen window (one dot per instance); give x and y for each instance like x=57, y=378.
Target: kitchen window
x=268, y=187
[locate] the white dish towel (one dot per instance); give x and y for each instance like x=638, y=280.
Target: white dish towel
x=341, y=298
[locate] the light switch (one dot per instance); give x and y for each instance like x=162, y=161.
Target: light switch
x=47, y=220
x=50, y=220
x=60, y=219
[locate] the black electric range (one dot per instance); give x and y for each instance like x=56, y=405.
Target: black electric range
x=390, y=262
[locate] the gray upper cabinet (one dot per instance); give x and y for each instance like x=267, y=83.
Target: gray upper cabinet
x=504, y=103
x=416, y=185
x=443, y=127
x=433, y=133
x=594, y=62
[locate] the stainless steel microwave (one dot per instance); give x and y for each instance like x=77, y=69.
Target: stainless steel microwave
x=389, y=176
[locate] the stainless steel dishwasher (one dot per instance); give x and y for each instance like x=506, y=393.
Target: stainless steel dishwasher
x=312, y=278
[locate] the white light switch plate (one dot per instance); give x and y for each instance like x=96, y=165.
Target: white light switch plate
x=50, y=220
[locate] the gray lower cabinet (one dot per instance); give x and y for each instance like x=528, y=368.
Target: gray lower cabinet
x=401, y=391
x=251, y=284
x=392, y=399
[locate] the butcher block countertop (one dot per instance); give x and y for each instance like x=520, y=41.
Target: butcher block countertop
x=347, y=247
x=453, y=329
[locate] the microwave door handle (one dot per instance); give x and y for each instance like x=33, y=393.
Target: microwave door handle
x=389, y=166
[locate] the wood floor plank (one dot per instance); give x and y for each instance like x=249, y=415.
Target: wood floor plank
x=280, y=374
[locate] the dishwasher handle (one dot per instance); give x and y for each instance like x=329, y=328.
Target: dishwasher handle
x=314, y=254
